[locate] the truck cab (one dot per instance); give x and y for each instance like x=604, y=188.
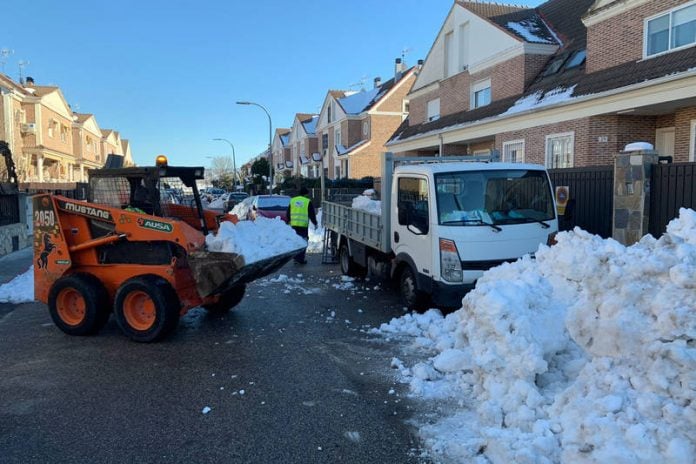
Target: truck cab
x=452, y=221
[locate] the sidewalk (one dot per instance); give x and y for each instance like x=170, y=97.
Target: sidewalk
x=15, y=264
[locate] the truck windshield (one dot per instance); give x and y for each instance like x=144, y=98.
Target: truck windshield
x=495, y=197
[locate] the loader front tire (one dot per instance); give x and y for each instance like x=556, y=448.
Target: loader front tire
x=79, y=304
x=227, y=301
x=146, y=308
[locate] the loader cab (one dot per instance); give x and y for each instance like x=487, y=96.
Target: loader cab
x=161, y=190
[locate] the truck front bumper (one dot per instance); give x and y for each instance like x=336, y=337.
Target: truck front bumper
x=444, y=295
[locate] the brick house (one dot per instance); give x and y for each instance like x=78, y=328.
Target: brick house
x=111, y=143
x=354, y=126
x=87, y=144
x=13, y=123
x=566, y=84
x=303, y=144
x=281, y=152
x=127, y=153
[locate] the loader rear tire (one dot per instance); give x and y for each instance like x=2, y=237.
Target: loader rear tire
x=146, y=308
x=227, y=301
x=79, y=304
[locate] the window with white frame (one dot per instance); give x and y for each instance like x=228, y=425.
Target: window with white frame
x=52, y=127
x=337, y=137
x=481, y=94
x=671, y=30
x=366, y=129
x=433, y=110
x=560, y=150
x=692, y=141
x=302, y=147
x=513, y=151
x=450, y=63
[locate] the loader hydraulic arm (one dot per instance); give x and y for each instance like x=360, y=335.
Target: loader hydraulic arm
x=7, y=154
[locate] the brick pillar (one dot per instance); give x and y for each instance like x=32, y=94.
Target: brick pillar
x=632, y=195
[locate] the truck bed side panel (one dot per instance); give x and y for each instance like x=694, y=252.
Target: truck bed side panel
x=356, y=224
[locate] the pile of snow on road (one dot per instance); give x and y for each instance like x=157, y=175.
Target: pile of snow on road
x=586, y=354
x=255, y=240
x=20, y=289
x=366, y=203
x=316, y=236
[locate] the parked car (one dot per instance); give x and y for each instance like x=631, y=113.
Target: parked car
x=231, y=199
x=270, y=206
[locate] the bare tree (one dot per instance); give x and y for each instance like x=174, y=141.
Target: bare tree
x=221, y=167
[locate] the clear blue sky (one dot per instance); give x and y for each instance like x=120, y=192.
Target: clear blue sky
x=166, y=74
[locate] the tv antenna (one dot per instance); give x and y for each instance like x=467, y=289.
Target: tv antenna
x=4, y=53
x=405, y=51
x=22, y=64
x=360, y=83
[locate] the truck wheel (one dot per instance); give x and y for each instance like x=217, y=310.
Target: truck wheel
x=79, y=304
x=413, y=299
x=227, y=301
x=348, y=266
x=146, y=308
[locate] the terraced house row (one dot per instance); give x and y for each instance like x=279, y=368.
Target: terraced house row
x=50, y=143
x=566, y=84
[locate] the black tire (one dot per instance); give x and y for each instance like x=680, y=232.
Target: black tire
x=159, y=304
x=227, y=301
x=348, y=266
x=83, y=296
x=413, y=299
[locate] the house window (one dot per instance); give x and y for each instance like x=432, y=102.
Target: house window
x=337, y=172
x=560, y=149
x=324, y=141
x=52, y=128
x=450, y=65
x=464, y=47
x=63, y=133
x=481, y=94
x=513, y=151
x=366, y=129
x=671, y=30
x=302, y=148
x=433, y=110
x=328, y=112
x=344, y=168
x=692, y=141
x=405, y=106
x=337, y=137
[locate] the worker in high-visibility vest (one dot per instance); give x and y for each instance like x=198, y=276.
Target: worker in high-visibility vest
x=300, y=214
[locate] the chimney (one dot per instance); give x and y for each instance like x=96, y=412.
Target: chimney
x=420, y=64
x=30, y=82
x=378, y=81
x=398, y=69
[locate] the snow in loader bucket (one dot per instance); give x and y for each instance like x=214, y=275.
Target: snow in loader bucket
x=216, y=273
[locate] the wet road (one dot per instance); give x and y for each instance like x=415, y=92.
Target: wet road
x=291, y=375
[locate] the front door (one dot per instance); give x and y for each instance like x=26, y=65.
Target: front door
x=664, y=141
x=411, y=232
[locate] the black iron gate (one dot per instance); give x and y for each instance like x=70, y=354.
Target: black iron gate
x=671, y=187
x=9, y=209
x=591, y=198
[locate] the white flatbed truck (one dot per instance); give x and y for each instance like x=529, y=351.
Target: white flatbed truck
x=444, y=221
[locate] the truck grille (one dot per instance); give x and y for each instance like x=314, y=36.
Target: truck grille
x=484, y=265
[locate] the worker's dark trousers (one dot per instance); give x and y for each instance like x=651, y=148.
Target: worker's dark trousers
x=304, y=233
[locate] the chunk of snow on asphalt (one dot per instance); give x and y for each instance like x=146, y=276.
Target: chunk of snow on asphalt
x=206, y=410
x=584, y=354
x=255, y=240
x=365, y=203
x=316, y=236
x=20, y=289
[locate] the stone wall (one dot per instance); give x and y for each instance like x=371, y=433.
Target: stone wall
x=14, y=237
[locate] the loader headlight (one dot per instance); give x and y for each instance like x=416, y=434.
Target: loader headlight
x=450, y=265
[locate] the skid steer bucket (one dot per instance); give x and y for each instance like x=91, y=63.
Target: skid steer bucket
x=216, y=273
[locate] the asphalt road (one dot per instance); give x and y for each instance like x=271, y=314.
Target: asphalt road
x=290, y=376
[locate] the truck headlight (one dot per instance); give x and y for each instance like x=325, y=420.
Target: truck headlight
x=450, y=265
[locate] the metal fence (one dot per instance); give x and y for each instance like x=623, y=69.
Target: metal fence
x=671, y=187
x=591, y=199
x=9, y=209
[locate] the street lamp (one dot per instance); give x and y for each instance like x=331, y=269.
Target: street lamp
x=234, y=163
x=270, y=142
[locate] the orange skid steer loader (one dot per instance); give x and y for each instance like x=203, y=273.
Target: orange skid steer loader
x=135, y=248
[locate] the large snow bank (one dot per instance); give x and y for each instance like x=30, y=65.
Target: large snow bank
x=255, y=240
x=241, y=209
x=20, y=289
x=367, y=204
x=584, y=354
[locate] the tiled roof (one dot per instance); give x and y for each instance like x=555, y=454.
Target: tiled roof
x=106, y=132
x=337, y=93
x=488, y=10
x=8, y=82
x=43, y=90
x=565, y=18
x=617, y=77
x=82, y=117
x=302, y=117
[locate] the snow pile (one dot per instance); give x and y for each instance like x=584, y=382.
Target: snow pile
x=217, y=203
x=532, y=30
x=367, y=204
x=241, y=209
x=316, y=236
x=255, y=240
x=20, y=289
x=585, y=354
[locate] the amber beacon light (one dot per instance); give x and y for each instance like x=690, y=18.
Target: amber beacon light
x=161, y=161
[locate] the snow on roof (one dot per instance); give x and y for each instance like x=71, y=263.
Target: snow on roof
x=541, y=99
x=310, y=125
x=532, y=30
x=357, y=102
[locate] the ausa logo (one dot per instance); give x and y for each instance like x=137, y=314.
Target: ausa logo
x=155, y=225
x=87, y=210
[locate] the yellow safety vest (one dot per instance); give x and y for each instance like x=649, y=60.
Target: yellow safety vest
x=299, y=212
